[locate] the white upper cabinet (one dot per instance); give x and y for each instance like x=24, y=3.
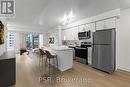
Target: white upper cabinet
x=91, y=27
x=86, y=27
x=110, y=23
x=100, y=25
x=70, y=34
x=90, y=55
x=82, y=28
x=106, y=24
x=74, y=33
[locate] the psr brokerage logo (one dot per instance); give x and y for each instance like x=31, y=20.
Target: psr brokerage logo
x=7, y=8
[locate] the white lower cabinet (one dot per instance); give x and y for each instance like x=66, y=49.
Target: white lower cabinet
x=90, y=55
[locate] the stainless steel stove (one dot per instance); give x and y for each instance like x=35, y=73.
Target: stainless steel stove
x=82, y=51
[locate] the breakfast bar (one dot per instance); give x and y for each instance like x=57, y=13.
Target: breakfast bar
x=64, y=55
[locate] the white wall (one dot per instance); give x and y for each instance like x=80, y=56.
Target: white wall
x=45, y=39
x=40, y=40
x=3, y=47
x=17, y=41
x=123, y=40
x=26, y=29
x=54, y=33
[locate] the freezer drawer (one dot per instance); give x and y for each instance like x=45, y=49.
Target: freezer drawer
x=103, y=58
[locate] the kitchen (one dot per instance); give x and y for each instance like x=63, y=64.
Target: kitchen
x=81, y=39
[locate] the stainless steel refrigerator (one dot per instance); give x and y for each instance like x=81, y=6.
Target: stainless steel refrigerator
x=104, y=50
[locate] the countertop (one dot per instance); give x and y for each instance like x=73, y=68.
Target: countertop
x=60, y=48
x=7, y=55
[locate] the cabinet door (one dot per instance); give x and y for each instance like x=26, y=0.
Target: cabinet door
x=106, y=24
x=70, y=34
x=90, y=55
x=82, y=28
x=91, y=27
x=100, y=25
x=87, y=27
x=110, y=23
x=75, y=33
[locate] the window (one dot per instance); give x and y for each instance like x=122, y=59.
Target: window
x=10, y=40
x=32, y=40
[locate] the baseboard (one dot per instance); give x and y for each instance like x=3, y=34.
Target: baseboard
x=125, y=69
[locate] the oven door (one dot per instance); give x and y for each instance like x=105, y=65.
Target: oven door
x=82, y=53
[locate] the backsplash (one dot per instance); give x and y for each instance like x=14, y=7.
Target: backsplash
x=70, y=42
x=75, y=42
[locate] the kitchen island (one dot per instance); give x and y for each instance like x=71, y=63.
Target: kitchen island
x=64, y=55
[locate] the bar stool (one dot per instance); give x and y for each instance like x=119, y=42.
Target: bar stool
x=50, y=56
x=42, y=57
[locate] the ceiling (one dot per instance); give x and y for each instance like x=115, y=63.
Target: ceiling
x=46, y=13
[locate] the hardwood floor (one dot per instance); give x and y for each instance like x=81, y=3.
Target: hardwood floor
x=28, y=73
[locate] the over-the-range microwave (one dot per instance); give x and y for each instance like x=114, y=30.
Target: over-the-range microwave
x=84, y=35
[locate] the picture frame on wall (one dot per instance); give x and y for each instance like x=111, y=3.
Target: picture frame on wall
x=51, y=40
x=1, y=33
